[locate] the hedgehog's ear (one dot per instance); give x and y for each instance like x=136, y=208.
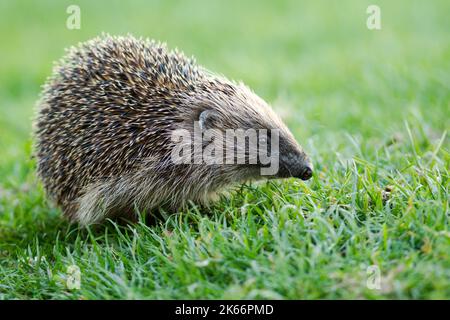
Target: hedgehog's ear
x=208, y=119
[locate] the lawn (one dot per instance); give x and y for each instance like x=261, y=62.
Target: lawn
x=371, y=107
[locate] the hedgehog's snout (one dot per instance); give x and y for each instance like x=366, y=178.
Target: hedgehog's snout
x=295, y=165
x=302, y=169
x=306, y=173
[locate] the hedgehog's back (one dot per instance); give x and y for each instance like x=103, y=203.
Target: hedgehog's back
x=104, y=109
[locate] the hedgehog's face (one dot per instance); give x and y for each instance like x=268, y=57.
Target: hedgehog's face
x=256, y=144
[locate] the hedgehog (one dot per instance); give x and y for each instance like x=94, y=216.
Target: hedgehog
x=105, y=124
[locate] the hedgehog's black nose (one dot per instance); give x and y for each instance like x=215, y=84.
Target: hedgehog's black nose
x=306, y=174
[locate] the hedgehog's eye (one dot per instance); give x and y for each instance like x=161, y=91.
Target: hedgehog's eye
x=264, y=137
x=208, y=119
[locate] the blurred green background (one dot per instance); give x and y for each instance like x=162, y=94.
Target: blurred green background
x=379, y=98
x=314, y=60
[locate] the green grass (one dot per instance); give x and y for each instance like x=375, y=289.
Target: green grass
x=370, y=107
